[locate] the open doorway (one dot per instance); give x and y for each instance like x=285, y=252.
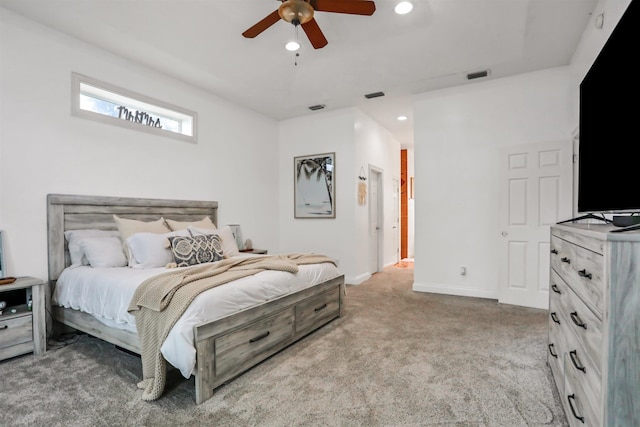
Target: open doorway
x=406, y=210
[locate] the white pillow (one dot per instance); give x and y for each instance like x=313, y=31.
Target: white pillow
x=204, y=223
x=73, y=237
x=149, y=250
x=103, y=251
x=229, y=246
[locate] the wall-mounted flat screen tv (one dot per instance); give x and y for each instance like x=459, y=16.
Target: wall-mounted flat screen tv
x=609, y=147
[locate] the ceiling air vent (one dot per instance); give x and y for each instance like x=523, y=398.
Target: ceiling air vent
x=317, y=107
x=477, y=74
x=374, y=95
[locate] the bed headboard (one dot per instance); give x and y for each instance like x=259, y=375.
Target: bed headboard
x=76, y=212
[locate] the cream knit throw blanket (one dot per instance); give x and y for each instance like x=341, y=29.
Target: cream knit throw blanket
x=160, y=300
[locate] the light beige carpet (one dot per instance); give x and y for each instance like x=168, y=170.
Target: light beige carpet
x=397, y=358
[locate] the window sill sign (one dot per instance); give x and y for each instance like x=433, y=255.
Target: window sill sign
x=100, y=101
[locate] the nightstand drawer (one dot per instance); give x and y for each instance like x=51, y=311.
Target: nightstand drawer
x=16, y=330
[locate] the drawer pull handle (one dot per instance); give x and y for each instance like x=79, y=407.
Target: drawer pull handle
x=259, y=337
x=570, y=398
x=577, y=321
x=551, y=351
x=565, y=259
x=554, y=317
x=574, y=355
x=5, y=327
x=554, y=251
x=323, y=306
x=583, y=273
x=555, y=289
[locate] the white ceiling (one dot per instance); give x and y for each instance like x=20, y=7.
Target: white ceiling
x=435, y=46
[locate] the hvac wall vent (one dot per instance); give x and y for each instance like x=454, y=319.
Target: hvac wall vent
x=317, y=107
x=374, y=95
x=478, y=74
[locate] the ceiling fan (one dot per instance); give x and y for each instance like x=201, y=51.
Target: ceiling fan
x=300, y=12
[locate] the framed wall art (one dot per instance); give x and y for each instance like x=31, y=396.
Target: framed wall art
x=3, y=267
x=313, y=183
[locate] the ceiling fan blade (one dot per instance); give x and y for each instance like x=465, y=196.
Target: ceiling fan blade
x=314, y=33
x=354, y=7
x=265, y=23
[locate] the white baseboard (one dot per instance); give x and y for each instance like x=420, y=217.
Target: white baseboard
x=451, y=290
x=357, y=280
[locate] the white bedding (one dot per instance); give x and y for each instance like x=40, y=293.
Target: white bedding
x=105, y=293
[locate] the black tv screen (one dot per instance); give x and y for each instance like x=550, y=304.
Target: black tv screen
x=609, y=129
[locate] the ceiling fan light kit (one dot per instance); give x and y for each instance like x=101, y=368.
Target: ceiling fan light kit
x=403, y=7
x=292, y=46
x=301, y=12
x=296, y=12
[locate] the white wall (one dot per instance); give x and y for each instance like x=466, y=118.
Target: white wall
x=45, y=150
x=458, y=136
x=375, y=146
x=357, y=141
x=324, y=132
x=593, y=39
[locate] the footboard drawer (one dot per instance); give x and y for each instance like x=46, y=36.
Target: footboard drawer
x=316, y=311
x=245, y=347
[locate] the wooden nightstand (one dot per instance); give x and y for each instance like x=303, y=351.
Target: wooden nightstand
x=22, y=330
x=254, y=251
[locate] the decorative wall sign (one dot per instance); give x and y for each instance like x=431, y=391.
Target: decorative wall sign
x=362, y=187
x=314, y=191
x=138, y=117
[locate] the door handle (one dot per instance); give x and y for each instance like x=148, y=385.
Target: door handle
x=504, y=234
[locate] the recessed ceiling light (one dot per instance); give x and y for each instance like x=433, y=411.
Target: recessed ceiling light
x=292, y=46
x=402, y=118
x=403, y=7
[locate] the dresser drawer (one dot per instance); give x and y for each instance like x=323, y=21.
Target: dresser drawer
x=557, y=345
x=237, y=350
x=316, y=311
x=582, y=269
x=584, y=325
x=580, y=398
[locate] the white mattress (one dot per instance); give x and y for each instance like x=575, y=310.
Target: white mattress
x=105, y=293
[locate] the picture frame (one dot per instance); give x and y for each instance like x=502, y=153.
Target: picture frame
x=3, y=266
x=237, y=234
x=314, y=186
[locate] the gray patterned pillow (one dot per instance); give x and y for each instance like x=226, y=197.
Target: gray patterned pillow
x=194, y=250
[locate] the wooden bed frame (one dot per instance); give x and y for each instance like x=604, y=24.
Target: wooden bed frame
x=224, y=348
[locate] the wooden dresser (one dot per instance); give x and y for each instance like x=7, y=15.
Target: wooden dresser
x=594, y=324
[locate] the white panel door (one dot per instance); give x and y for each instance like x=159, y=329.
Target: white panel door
x=536, y=193
x=375, y=219
x=396, y=218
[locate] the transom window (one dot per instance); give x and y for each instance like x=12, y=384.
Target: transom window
x=101, y=101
